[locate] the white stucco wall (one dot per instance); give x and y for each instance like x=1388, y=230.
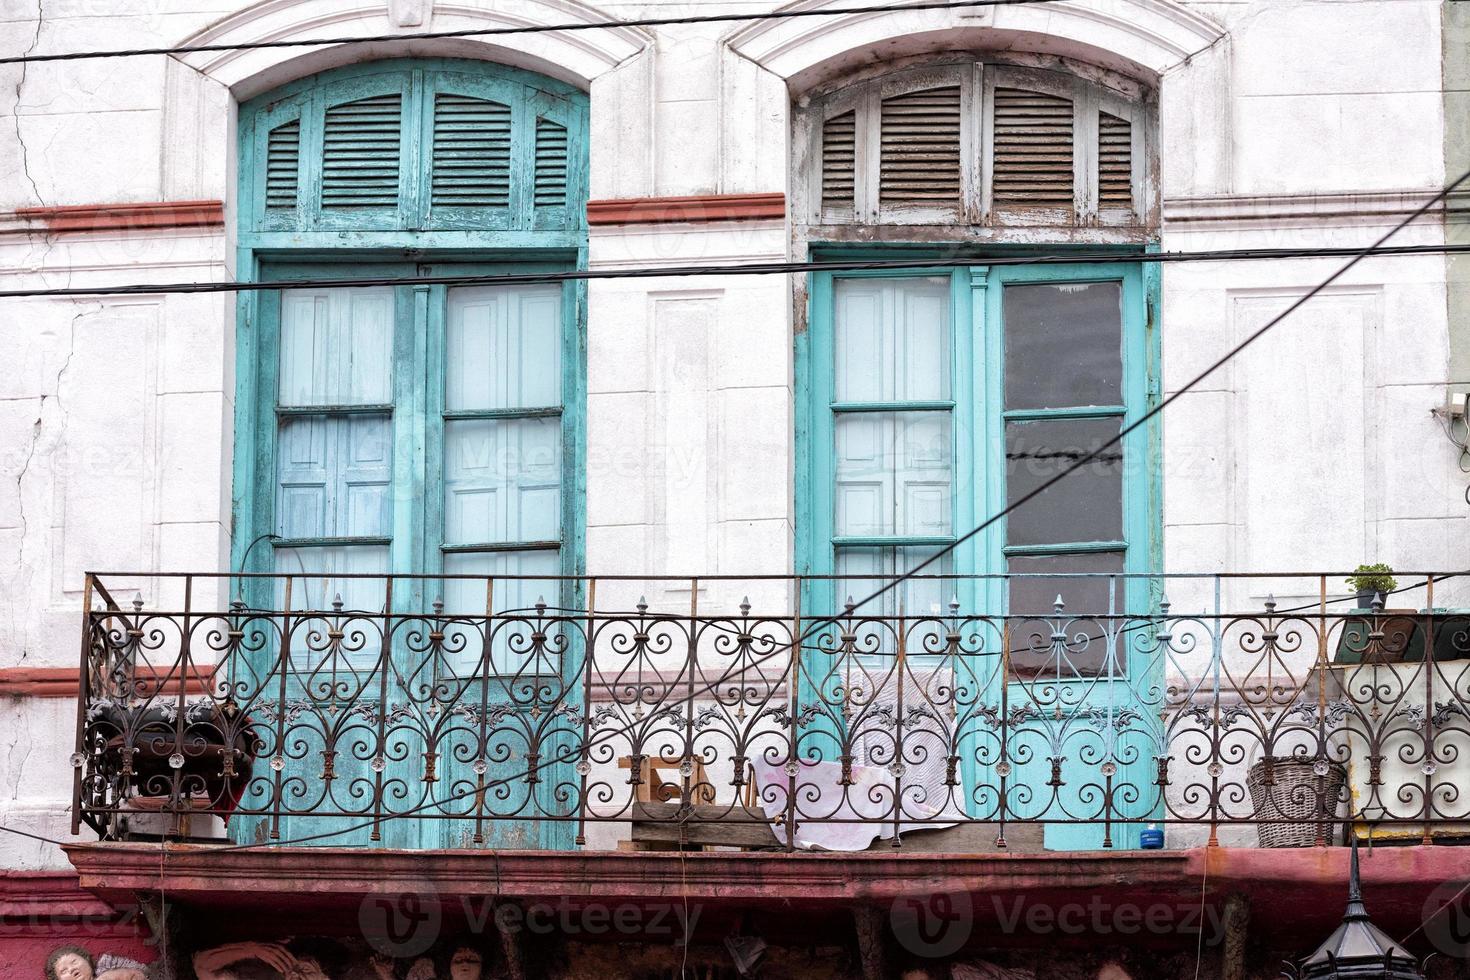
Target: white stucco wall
x=1279, y=127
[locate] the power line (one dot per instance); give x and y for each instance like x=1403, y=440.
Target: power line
x=761, y=269
x=823, y=622
x=826, y=621
x=1158, y=409
x=525, y=29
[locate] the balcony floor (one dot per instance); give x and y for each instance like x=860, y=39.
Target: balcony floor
x=1292, y=892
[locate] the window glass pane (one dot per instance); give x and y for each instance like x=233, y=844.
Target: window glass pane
x=1063, y=344
x=334, y=474
x=1087, y=505
x=336, y=346
x=874, y=568
x=510, y=638
x=1090, y=634
x=319, y=578
x=920, y=597
x=503, y=348
x=892, y=339
x=502, y=480
x=895, y=473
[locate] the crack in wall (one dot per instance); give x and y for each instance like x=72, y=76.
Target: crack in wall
x=22, y=739
x=25, y=164
x=59, y=434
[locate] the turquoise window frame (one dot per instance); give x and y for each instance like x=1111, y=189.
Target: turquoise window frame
x=384, y=243
x=520, y=225
x=417, y=518
x=977, y=375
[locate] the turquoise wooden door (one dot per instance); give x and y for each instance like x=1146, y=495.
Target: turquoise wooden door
x=417, y=430
x=502, y=376
x=931, y=401
x=1075, y=367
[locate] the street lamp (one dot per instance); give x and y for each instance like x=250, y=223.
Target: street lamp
x=1357, y=949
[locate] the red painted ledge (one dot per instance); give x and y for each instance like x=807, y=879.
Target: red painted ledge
x=27, y=894
x=1292, y=892
x=64, y=682
x=111, y=217
x=699, y=207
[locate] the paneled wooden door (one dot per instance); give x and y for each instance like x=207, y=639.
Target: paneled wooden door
x=422, y=429
x=932, y=401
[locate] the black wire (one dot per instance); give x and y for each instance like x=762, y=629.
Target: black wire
x=756, y=269
x=1358, y=256
x=527, y=29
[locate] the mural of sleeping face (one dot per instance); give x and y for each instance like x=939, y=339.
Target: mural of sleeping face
x=76, y=963
x=70, y=963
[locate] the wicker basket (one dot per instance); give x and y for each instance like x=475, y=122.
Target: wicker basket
x=1284, y=787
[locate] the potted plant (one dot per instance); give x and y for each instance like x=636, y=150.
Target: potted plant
x=1368, y=581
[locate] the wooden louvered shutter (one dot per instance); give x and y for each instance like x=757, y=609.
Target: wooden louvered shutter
x=1032, y=144
x=283, y=166
x=839, y=162
x=471, y=159
x=361, y=143
x=551, y=164
x=1114, y=162
x=919, y=156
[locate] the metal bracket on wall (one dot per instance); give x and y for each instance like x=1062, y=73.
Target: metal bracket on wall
x=1454, y=420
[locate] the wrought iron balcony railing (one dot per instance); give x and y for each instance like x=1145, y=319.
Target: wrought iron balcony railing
x=531, y=713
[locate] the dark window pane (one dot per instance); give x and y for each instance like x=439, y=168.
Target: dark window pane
x=1090, y=634
x=1087, y=505
x=1063, y=344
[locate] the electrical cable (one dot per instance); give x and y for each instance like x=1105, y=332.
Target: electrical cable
x=755, y=269
x=821, y=623
x=25, y=59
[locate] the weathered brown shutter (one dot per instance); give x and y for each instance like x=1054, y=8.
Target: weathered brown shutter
x=1114, y=162
x=283, y=165
x=471, y=161
x=919, y=156
x=839, y=161
x=360, y=146
x=551, y=163
x=1033, y=150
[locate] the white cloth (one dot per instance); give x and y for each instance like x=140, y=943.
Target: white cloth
x=821, y=798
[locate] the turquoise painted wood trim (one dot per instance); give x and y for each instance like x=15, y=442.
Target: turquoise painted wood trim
x=891, y=541
x=295, y=244
x=417, y=82
x=1064, y=548
x=1075, y=412
x=919, y=406
x=978, y=304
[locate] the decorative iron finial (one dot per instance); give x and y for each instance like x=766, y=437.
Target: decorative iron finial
x=1357, y=949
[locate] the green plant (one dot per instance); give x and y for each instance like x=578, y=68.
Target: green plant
x=1372, y=578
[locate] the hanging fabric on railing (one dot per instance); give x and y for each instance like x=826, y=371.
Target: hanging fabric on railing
x=831, y=816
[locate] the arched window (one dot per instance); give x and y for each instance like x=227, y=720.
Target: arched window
x=978, y=144
x=932, y=398
x=391, y=428
x=405, y=146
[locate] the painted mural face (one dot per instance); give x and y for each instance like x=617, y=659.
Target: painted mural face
x=71, y=966
x=465, y=964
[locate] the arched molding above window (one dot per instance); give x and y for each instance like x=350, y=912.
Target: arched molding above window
x=1144, y=38
x=987, y=144
x=576, y=57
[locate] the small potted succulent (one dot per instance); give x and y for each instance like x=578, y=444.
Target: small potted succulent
x=1369, y=581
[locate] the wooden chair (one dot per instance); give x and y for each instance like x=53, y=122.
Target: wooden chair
x=659, y=825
